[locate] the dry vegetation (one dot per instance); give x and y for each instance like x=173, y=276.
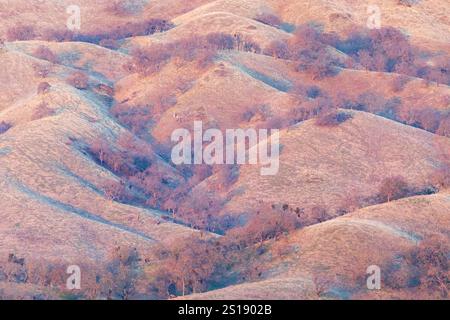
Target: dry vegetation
x=86, y=175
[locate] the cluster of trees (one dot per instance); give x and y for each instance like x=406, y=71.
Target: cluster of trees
x=311, y=109
x=190, y=266
x=134, y=117
x=389, y=50
x=121, y=278
x=441, y=178
x=141, y=179
x=425, y=267
x=197, y=48
x=269, y=222
x=124, y=271
x=427, y=118
x=310, y=48
x=130, y=29
x=20, y=33
x=204, y=263
x=386, y=50
x=430, y=259
x=200, y=210
x=396, y=187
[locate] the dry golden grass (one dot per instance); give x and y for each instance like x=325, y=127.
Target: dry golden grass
x=330, y=166
x=330, y=259
x=51, y=204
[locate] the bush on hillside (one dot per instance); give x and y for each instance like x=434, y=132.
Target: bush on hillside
x=312, y=54
x=20, y=33
x=44, y=53
x=431, y=265
x=220, y=41
x=332, y=119
x=278, y=49
x=269, y=19
x=408, y=3
x=42, y=111
x=110, y=44
x=444, y=126
x=78, y=80
x=43, y=87
x=4, y=126
x=57, y=35
x=41, y=70
x=393, y=188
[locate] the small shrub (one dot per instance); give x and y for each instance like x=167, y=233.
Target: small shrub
x=313, y=92
x=44, y=53
x=408, y=3
x=319, y=214
x=441, y=178
x=119, y=8
x=400, y=83
x=42, y=111
x=43, y=87
x=110, y=44
x=117, y=191
x=444, y=127
x=41, y=70
x=57, y=35
x=105, y=90
x=78, y=80
x=334, y=118
x=151, y=60
x=269, y=19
